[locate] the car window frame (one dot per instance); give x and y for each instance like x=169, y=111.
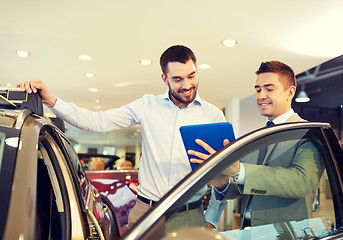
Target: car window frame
x=48, y=143
x=62, y=141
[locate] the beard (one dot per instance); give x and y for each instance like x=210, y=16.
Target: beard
x=177, y=95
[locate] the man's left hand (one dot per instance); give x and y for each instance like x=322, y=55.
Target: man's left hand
x=204, y=156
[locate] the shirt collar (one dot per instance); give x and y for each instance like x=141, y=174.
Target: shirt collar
x=197, y=100
x=284, y=117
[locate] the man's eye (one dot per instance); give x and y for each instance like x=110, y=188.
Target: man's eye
x=258, y=90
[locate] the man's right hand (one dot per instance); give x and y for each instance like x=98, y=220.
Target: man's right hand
x=38, y=85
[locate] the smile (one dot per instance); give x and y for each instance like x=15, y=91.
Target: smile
x=187, y=92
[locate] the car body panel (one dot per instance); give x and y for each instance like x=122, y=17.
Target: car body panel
x=23, y=190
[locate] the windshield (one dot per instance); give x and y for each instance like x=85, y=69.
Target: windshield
x=8, y=147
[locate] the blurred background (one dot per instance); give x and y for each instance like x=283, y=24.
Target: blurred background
x=104, y=54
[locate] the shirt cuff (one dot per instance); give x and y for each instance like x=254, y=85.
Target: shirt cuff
x=241, y=177
x=59, y=108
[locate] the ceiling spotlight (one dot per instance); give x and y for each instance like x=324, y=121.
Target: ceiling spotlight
x=97, y=107
x=229, y=43
x=85, y=58
x=302, y=97
x=90, y=75
x=23, y=54
x=93, y=90
x=204, y=66
x=145, y=62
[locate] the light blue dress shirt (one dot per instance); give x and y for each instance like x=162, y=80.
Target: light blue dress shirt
x=164, y=160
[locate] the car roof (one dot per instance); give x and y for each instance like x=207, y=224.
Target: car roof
x=15, y=109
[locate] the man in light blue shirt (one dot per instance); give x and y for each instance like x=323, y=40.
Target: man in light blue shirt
x=164, y=161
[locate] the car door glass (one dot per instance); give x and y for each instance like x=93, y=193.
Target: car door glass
x=287, y=196
x=81, y=175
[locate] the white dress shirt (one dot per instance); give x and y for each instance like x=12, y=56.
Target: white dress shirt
x=164, y=160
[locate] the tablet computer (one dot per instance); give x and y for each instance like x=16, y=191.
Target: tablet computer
x=212, y=133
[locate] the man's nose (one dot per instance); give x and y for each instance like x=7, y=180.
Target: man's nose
x=187, y=84
x=262, y=95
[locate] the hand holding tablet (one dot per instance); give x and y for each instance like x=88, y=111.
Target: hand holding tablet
x=210, y=136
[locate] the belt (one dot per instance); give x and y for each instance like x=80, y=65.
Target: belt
x=147, y=201
x=186, y=207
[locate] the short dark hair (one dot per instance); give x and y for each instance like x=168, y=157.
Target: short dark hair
x=176, y=53
x=285, y=72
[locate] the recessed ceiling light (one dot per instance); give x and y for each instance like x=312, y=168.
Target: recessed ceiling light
x=93, y=90
x=229, y=43
x=97, y=107
x=96, y=100
x=145, y=62
x=23, y=54
x=90, y=75
x=204, y=66
x=85, y=58
x=124, y=84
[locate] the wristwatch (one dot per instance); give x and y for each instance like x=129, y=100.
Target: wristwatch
x=235, y=176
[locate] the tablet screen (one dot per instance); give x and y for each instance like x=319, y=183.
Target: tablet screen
x=211, y=133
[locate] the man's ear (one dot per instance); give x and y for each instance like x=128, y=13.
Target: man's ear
x=164, y=78
x=291, y=92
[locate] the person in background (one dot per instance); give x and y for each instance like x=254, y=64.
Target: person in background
x=97, y=165
x=164, y=161
x=126, y=165
x=270, y=182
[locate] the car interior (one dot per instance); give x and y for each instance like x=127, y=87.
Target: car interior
x=52, y=208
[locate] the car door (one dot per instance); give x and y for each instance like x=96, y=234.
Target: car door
x=18, y=172
x=295, y=194
x=89, y=198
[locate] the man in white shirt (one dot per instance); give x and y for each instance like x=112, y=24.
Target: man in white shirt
x=164, y=161
x=258, y=180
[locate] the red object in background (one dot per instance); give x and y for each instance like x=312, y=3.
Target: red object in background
x=117, y=189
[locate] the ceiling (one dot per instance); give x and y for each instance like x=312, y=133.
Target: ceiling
x=118, y=34
x=323, y=85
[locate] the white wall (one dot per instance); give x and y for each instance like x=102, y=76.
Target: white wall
x=250, y=117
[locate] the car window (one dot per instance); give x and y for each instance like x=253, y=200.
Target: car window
x=77, y=166
x=290, y=195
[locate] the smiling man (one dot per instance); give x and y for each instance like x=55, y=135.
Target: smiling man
x=274, y=90
x=182, y=80
x=164, y=161
x=285, y=176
